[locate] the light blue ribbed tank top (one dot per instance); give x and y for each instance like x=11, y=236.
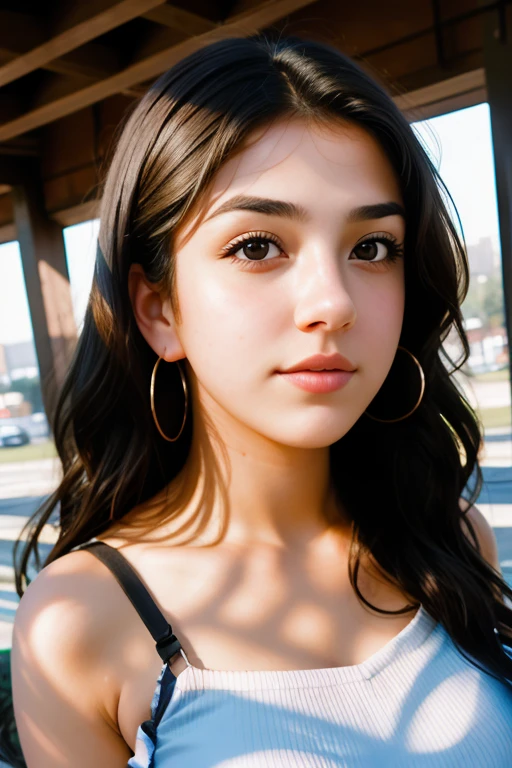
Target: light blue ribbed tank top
x=416, y=703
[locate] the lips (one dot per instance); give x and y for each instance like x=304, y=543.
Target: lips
x=333, y=362
x=318, y=382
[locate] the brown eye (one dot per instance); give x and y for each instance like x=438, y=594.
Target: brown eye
x=371, y=250
x=255, y=249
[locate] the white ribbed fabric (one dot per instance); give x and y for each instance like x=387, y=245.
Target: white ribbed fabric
x=416, y=703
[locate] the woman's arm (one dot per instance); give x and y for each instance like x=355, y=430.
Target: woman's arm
x=58, y=678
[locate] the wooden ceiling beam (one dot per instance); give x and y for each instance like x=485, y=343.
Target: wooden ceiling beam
x=22, y=146
x=188, y=23
x=20, y=32
x=243, y=24
x=467, y=88
x=91, y=60
x=10, y=106
x=90, y=63
x=74, y=37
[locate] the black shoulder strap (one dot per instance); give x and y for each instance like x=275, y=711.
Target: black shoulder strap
x=167, y=644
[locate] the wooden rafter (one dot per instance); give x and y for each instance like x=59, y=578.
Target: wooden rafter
x=74, y=37
x=183, y=21
x=92, y=62
x=242, y=24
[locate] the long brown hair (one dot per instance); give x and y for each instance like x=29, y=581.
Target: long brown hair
x=408, y=518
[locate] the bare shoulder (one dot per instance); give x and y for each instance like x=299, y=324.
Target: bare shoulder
x=68, y=593
x=484, y=533
x=63, y=706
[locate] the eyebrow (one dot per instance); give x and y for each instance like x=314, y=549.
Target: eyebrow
x=297, y=212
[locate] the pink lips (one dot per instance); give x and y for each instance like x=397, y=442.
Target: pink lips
x=338, y=371
x=334, y=361
x=318, y=382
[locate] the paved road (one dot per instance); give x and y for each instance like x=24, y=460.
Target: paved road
x=485, y=394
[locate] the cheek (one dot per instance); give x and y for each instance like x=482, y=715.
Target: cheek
x=380, y=311
x=384, y=312
x=226, y=325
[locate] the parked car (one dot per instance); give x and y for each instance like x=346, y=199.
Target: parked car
x=11, y=435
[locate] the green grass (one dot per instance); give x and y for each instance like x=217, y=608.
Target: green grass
x=28, y=452
x=501, y=375
x=495, y=417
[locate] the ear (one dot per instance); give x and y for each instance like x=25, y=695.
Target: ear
x=153, y=315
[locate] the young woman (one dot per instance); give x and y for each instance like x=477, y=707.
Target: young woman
x=264, y=450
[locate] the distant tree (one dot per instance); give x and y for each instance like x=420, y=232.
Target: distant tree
x=485, y=301
x=472, y=306
x=493, y=302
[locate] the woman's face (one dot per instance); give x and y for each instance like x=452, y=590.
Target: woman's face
x=321, y=272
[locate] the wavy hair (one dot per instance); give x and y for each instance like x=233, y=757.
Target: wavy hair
x=169, y=148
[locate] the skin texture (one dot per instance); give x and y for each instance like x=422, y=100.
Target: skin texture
x=84, y=665
x=312, y=295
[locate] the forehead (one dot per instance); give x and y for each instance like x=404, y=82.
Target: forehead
x=323, y=167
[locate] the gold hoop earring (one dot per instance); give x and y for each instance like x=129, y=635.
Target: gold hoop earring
x=152, y=400
x=420, y=398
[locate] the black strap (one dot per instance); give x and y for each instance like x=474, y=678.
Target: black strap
x=167, y=644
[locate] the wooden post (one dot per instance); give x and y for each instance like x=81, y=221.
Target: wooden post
x=47, y=281
x=498, y=69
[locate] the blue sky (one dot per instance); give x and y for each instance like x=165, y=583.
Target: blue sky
x=459, y=143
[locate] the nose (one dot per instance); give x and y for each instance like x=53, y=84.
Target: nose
x=324, y=296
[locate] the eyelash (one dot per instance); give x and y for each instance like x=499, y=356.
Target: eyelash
x=395, y=250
